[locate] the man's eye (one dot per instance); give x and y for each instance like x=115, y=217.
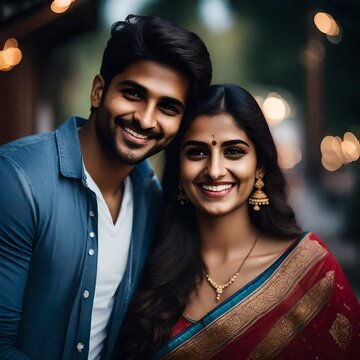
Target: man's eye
x=169, y=109
x=132, y=94
x=234, y=153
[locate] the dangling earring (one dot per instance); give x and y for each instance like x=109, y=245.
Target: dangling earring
x=182, y=198
x=258, y=197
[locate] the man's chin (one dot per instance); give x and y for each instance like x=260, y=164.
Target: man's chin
x=131, y=158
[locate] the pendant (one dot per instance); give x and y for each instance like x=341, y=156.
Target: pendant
x=219, y=291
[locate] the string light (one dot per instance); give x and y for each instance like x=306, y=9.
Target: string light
x=327, y=25
x=10, y=56
x=60, y=6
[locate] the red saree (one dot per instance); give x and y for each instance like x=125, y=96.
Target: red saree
x=302, y=307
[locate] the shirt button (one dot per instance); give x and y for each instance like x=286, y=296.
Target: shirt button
x=91, y=252
x=92, y=234
x=86, y=294
x=80, y=347
x=91, y=213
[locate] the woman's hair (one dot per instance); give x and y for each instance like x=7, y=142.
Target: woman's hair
x=175, y=265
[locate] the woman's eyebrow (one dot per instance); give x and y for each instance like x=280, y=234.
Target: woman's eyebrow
x=225, y=143
x=195, y=143
x=234, y=142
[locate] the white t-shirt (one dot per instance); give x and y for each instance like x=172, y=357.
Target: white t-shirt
x=113, y=248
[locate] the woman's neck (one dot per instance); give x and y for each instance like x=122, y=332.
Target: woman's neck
x=226, y=233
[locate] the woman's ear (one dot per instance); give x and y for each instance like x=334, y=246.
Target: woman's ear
x=260, y=172
x=97, y=91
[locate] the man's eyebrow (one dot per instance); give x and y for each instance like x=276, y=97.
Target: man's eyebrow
x=144, y=90
x=173, y=101
x=134, y=85
x=225, y=143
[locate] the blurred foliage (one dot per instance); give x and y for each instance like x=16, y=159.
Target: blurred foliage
x=266, y=44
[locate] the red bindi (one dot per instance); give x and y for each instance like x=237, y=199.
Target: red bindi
x=213, y=142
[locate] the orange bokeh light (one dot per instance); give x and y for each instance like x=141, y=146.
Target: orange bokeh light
x=10, y=56
x=58, y=9
x=326, y=24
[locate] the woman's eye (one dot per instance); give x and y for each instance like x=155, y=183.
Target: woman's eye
x=234, y=153
x=196, y=153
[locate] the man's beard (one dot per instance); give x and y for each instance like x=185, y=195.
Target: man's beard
x=107, y=139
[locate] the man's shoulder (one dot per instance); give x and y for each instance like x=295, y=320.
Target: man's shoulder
x=34, y=157
x=27, y=145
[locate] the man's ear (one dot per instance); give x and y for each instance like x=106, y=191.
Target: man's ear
x=97, y=91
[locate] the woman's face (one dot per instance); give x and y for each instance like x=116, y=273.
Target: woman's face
x=217, y=165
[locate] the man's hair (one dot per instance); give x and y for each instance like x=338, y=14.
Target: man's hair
x=154, y=38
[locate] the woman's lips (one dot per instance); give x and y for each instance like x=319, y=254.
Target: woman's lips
x=216, y=190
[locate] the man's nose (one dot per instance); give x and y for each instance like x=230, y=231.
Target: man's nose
x=146, y=116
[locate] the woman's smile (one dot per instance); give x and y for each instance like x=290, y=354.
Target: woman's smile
x=216, y=189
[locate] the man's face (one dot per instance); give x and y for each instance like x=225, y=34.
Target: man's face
x=141, y=110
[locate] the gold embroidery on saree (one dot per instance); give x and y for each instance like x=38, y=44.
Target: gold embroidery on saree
x=243, y=315
x=341, y=331
x=295, y=319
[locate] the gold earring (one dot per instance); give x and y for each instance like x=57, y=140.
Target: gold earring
x=182, y=198
x=258, y=197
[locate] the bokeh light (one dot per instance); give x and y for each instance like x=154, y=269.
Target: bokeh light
x=10, y=56
x=60, y=6
x=9, y=43
x=336, y=152
x=289, y=155
x=326, y=24
x=217, y=15
x=275, y=109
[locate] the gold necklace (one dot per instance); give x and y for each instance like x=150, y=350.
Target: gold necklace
x=220, y=288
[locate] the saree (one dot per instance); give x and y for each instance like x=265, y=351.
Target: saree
x=301, y=307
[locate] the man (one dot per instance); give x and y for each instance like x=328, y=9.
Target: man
x=76, y=213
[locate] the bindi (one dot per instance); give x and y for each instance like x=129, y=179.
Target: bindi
x=214, y=141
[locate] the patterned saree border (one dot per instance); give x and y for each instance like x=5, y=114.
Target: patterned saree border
x=294, y=321
x=225, y=328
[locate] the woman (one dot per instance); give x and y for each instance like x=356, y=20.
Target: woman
x=232, y=275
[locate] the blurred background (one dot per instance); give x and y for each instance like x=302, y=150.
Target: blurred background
x=299, y=59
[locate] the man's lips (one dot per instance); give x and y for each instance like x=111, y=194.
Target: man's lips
x=216, y=189
x=136, y=135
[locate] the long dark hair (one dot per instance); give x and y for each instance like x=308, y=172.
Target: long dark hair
x=175, y=265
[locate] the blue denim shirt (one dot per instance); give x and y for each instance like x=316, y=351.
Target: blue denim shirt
x=48, y=247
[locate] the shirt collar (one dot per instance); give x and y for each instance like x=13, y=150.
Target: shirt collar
x=69, y=147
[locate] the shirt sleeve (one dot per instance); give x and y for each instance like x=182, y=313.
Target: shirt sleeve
x=17, y=228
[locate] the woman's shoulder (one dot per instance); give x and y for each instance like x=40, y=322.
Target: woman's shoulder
x=300, y=244
x=311, y=241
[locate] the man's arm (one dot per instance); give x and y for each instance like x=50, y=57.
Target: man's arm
x=17, y=228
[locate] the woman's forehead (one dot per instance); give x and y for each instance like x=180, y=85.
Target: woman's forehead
x=219, y=126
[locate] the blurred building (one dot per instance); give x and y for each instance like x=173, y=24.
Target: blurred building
x=39, y=31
